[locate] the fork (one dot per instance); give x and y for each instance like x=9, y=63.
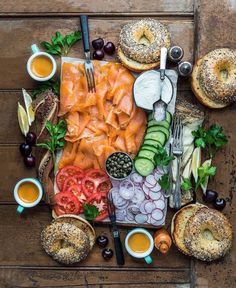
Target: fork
x=88, y=65
x=177, y=151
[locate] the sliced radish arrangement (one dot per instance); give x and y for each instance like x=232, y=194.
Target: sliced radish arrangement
x=151, y=180
x=145, y=189
x=149, y=206
x=138, y=196
x=134, y=209
x=154, y=195
x=120, y=215
x=136, y=178
x=126, y=193
x=160, y=204
x=141, y=218
x=157, y=214
x=156, y=188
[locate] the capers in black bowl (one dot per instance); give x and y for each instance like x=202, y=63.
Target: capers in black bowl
x=119, y=165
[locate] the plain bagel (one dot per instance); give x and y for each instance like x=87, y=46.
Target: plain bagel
x=214, y=78
x=208, y=234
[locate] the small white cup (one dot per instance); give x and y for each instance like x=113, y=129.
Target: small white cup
x=145, y=255
x=36, y=52
x=23, y=204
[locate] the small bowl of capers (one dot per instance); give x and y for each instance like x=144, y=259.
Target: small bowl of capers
x=119, y=165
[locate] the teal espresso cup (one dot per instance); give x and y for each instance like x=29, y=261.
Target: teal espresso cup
x=139, y=244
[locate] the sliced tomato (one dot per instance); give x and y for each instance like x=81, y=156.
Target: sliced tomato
x=101, y=204
x=78, y=192
x=66, y=203
x=66, y=172
x=70, y=181
x=96, y=182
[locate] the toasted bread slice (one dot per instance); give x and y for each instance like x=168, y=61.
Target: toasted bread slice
x=134, y=65
x=178, y=223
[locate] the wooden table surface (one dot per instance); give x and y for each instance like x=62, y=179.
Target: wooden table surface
x=198, y=27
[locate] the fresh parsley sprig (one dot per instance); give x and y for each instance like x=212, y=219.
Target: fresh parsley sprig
x=162, y=159
x=164, y=182
x=212, y=139
x=56, y=142
x=186, y=184
x=60, y=45
x=203, y=173
x=90, y=212
x=54, y=85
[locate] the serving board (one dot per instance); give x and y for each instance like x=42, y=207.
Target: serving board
x=173, y=76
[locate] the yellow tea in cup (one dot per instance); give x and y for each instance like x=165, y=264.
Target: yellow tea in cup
x=139, y=242
x=41, y=66
x=28, y=192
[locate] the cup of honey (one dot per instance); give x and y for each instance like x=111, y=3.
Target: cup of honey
x=139, y=244
x=28, y=192
x=41, y=66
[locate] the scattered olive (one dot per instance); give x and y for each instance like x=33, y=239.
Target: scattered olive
x=29, y=161
x=220, y=204
x=102, y=241
x=25, y=149
x=98, y=54
x=210, y=196
x=109, y=48
x=31, y=138
x=107, y=253
x=98, y=43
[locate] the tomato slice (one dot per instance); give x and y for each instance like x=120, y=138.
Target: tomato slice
x=101, y=204
x=96, y=182
x=78, y=192
x=66, y=172
x=66, y=203
x=70, y=181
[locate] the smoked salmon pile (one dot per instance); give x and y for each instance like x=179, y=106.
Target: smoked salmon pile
x=100, y=123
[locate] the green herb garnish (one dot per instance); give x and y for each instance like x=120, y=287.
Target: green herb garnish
x=60, y=45
x=203, y=173
x=90, y=212
x=56, y=142
x=162, y=159
x=54, y=85
x=212, y=139
x=186, y=184
x=164, y=182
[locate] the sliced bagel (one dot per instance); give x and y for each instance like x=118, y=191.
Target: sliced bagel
x=134, y=65
x=199, y=93
x=178, y=224
x=80, y=223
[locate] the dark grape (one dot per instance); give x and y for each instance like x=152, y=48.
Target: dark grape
x=102, y=241
x=29, y=161
x=31, y=138
x=109, y=48
x=220, y=204
x=210, y=196
x=25, y=149
x=107, y=253
x=98, y=43
x=98, y=54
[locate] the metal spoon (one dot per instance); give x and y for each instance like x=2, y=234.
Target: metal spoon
x=159, y=107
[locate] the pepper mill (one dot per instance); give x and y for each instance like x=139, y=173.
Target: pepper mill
x=175, y=54
x=162, y=240
x=185, y=68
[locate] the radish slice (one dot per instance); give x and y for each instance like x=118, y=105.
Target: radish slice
x=148, y=184
x=156, y=223
x=146, y=189
x=126, y=193
x=157, y=214
x=142, y=207
x=151, y=180
x=138, y=196
x=149, y=206
x=154, y=195
x=118, y=201
x=136, y=178
x=140, y=218
x=160, y=204
x=120, y=215
x=158, y=173
x=156, y=188
x=129, y=216
x=134, y=209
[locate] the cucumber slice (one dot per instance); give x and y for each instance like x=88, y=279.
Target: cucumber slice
x=159, y=128
x=146, y=153
x=161, y=123
x=168, y=117
x=152, y=143
x=143, y=166
x=149, y=148
x=158, y=136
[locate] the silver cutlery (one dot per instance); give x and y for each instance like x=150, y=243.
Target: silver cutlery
x=88, y=65
x=177, y=151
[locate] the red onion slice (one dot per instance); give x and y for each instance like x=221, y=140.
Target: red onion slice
x=118, y=201
x=154, y=195
x=157, y=214
x=151, y=180
x=148, y=185
x=127, y=184
x=156, y=188
x=125, y=193
x=156, y=223
x=129, y=216
x=136, y=178
x=146, y=190
x=141, y=218
x=120, y=215
x=142, y=207
x=134, y=209
x=160, y=204
x=139, y=196
x=149, y=207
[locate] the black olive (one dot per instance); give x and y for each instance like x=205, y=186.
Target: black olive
x=102, y=241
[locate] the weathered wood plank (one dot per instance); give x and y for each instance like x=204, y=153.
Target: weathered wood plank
x=18, y=34
x=26, y=229
x=96, y=278
x=96, y=6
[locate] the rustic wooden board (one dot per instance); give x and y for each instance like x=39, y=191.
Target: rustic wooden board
x=16, y=50
x=30, y=253
x=210, y=36
x=96, y=7
x=16, y=277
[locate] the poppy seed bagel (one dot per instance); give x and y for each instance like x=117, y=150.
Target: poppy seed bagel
x=208, y=234
x=141, y=40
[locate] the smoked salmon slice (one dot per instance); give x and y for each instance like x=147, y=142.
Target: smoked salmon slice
x=100, y=123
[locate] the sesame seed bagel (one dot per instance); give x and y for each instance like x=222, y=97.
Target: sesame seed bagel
x=141, y=40
x=208, y=234
x=65, y=243
x=178, y=224
x=214, y=78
